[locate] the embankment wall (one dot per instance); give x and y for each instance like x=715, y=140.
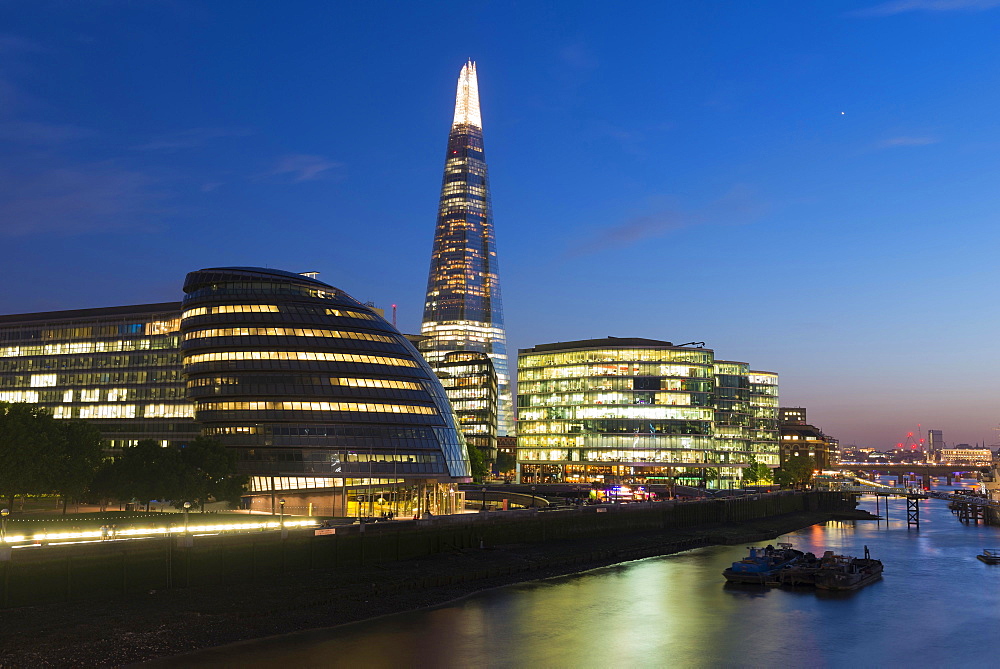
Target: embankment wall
x=65, y=573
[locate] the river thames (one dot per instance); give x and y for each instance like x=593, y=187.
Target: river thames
x=937, y=606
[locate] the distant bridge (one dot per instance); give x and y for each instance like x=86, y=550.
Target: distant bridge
x=938, y=469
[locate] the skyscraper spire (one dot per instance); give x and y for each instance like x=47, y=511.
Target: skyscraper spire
x=463, y=310
x=467, y=98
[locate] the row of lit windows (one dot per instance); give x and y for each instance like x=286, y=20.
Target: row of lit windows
x=634, y=397
x=231, y=309
x=157, y=326
x=297, y=355
x=623, y=369
x=268, y=483
x=613, y=426
x=612, y=383
x=286, y=332
x=375, y=383
x=303, y=381
x=695, y=356
x=88, y=362
x=315, y=406
x=159, y=377
x=124, y=411
x=643, y=412
x=82, y=347
x=272, y=309
x=93, y=395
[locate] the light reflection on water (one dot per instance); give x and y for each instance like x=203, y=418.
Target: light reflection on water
x=937, y=606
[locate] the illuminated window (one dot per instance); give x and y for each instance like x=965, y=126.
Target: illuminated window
x=43, y=380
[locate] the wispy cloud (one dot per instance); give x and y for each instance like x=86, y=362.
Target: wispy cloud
x=190, y=139
x=37, y=132
x=739, y=206
x=305, y=167
x=578, y=56
x=903, y=6
x=74, y=199
x=12, y=43
x=905, y=141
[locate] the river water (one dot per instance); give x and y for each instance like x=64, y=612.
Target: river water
x=937, y=606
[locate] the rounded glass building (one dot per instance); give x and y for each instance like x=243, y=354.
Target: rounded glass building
x=326, y=403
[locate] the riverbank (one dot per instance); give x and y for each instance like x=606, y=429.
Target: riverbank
x=119, y=631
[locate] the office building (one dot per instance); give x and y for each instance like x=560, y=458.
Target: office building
x=966, y=456
x=323, y=400
x=637, y=411
x=463, y=310
x=119, y=367
x=765, y=436
x=470, y=382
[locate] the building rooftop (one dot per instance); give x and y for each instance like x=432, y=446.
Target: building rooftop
x=609, y=342
x=78, y=314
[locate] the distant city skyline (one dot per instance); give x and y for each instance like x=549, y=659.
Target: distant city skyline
x=808, y=187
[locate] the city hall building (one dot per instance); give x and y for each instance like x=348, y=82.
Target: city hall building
x=324, y=402
x=641, y=411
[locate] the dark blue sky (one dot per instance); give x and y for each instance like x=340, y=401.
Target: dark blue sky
x=809, y=187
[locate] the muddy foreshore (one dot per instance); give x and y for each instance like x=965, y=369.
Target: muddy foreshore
x=119, y=631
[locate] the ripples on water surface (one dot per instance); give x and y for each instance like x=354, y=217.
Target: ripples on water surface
x=937, y=606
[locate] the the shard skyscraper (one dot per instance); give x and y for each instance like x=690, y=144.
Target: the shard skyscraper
x=463, y=310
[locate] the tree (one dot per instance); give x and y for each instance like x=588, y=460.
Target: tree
x=506, y=463
x=144, y=472
x=75, y=452
x=209, y=473
x=757, y=472
x=796, y=470
x=480, y=470
x=24, y=450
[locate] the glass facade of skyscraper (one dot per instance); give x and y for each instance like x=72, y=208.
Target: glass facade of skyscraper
x=463, y=310
x=634, y=411
x=119, y=367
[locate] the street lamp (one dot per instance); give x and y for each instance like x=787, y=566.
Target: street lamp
x=281, y=521
x=533, y=504
x=484, y=498
x=187, y=506
x=3, y=525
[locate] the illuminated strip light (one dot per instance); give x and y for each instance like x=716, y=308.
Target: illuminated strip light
x=286, y=332
x=297, y=355
x=316, y=406
x=155, y=531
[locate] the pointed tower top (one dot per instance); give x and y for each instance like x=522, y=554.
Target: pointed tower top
x=467, y=98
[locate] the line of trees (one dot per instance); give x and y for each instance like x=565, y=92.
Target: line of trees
x=40, y=455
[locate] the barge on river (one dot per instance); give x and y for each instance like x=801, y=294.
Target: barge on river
x=761, y=566
x=830, y=572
